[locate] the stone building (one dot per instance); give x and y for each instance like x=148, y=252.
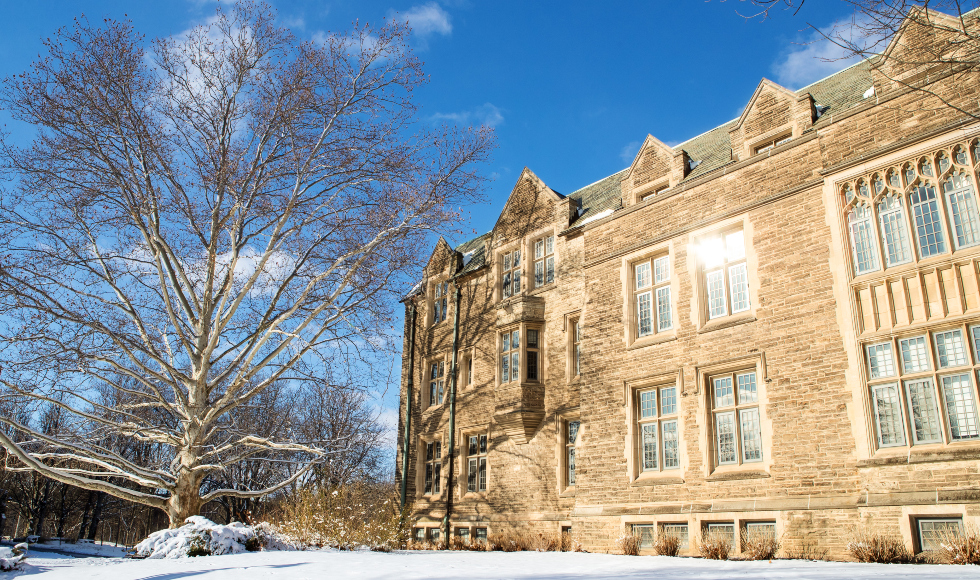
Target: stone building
x=773, y=327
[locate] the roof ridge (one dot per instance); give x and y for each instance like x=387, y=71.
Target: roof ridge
x=675, y=147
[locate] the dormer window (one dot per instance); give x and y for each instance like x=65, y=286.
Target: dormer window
x=771, y=143
x=511, y=273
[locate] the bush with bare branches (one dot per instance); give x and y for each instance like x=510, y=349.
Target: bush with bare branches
x=880, y=549
x=667, y=545
x=759, y=546
x=959, y=547
x=715, y=545
x=629, y=544
x=346, y=517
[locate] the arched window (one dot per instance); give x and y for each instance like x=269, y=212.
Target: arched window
x=894, y=231
x=862, y=240
x=962, y=207
x=928, y=229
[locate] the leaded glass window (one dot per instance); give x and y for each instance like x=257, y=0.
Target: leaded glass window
x=737, y=422
x=652, y=298
x=659, y=441
x=725, y=273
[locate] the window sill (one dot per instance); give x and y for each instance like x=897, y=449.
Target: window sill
x=475, y=495
x=568, y=492
x=727, y=322
x=923, y=454
x=649, y=480
x=665, y=336
x=737, y=475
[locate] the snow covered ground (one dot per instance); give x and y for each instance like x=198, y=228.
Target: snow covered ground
x=470, y=565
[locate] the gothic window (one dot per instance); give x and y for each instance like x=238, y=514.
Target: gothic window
x=929, y=202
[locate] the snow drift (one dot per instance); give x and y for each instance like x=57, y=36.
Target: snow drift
x=200, y=536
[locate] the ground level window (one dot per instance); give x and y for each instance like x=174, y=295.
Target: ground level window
x=932, y=531
x=725, y=531
x=463, y=534
x=679, y=531
x=645, y=533
x=480, y=534
x=756, y=531
x=419, y=534
x=434, y=534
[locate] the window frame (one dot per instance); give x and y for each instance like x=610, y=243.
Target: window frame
x=902, y=180
x=735, y=410
x=439, y=301
x=719, y=237
x=920, y=411
x=919, y=520
x=524, y=352
x=509, y=272
x=658, y=419
x=735, y=366
x=483, y=437
x=661, y=260
x=569, y=451
x=543, y=259
x=766, y=145
x=439, y=379
x=635, y=468
x=575, y=347
x=424, y=461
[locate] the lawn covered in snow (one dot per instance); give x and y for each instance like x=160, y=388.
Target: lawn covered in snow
x=331, y=565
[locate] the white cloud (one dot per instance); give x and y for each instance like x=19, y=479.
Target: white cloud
x=628, y=152
x=813, y=59
x=486, y=114
x=428, y=19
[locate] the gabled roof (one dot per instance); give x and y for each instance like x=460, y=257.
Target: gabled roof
x=599, y=196
x=710, y=150
x=474, y=253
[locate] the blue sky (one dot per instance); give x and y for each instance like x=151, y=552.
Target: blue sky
x=572, y=88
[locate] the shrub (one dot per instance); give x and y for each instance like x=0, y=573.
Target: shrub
x=880, y=549
x=667, y=545
x=959, y=548
x=629, y=544
x=347, y=517
x=529, y=541
x=715, y=545
x=759, y=546
x=199, y=546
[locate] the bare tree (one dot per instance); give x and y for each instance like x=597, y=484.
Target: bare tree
x=197, y=219
x=944, y=42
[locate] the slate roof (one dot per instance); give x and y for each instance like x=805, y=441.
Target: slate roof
x=479, y=248
x=712, y=150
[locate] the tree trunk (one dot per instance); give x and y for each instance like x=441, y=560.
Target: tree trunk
x=86, y=513
x=96, y=515
x=186, y=499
